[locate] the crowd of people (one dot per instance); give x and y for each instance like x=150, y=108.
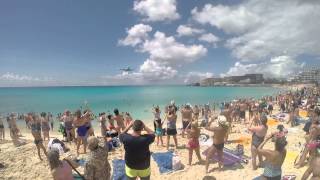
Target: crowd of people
x=136, y=136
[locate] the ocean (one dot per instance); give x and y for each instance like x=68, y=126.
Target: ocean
x=138, y=100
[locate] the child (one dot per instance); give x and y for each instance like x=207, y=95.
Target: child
x=158, y=125
x=193, y=143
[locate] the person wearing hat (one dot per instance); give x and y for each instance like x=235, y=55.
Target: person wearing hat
x=97, y=166
x=137, y=152
x=220, y=132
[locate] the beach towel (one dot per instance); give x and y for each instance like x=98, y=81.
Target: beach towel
x=272, y=122
x=164, y=161
x=290, y=157
x=118, y=166
x=303, y=113
x=280, y=116
x=229, y=158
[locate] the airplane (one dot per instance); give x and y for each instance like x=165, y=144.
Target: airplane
x=128, y=69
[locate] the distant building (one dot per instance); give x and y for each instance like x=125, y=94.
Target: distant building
x=245, y=79
x=307, y=75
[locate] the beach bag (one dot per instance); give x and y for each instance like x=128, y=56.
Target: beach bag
x=176, y=163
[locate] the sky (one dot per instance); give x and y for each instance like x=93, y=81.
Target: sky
x=81, y=42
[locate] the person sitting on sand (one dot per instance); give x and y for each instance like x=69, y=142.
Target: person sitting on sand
x=137, y=153
x=220, y=132
x=45, y=126
x=313, y=167
x=60, y=169
x=35, y=124
x=171, y=118
x=127, y=119
x=119, y=119
x=258, y=134
x=186, y=115
x=193, y=143
x=55, y=143
x=274, y=158
x=103, y=127
x=97, y=166
x=68, y=125
x=82, y=130
x=2, y=130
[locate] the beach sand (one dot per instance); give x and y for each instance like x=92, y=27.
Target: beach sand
x=23, y=163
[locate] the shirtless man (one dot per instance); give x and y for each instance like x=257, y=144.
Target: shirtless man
x=220, y=132
x=186, y=114
x=68, y=124
x=313, y=168
x=35, y=124
x=196, y=112
x=226, y=112
x=243, y=108
x=119, y=119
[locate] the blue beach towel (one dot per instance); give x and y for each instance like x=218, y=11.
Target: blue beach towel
x=118, y=169
x=164, y=161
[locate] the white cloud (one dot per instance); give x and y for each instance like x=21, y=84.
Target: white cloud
x=157, y=10
x=166, y=56
x=184, y=30
x=229, y=19
x=167, y=51
x=192, y=77
x=278, y=67
x=209, y=38
x=136, y=35
x=16, y=77
x=266, y=28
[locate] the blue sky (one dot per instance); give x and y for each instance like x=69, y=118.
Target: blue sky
x=87, y=42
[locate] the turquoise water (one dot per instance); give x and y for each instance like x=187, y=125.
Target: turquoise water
x=137, y=100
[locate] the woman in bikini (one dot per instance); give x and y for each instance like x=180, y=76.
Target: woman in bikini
x=259, y=133
x=274, y=158
x=157, y=124
x=35, y=124
x=193, y=143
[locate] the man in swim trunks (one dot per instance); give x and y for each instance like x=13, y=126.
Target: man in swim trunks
x=196, y=112
x=68, y=124
x=35, y=124
x=137, y=153
x=220, y=132
x=186, y=114
x=243, y=108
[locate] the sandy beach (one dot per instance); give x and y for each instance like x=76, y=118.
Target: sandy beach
x=23, y=163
